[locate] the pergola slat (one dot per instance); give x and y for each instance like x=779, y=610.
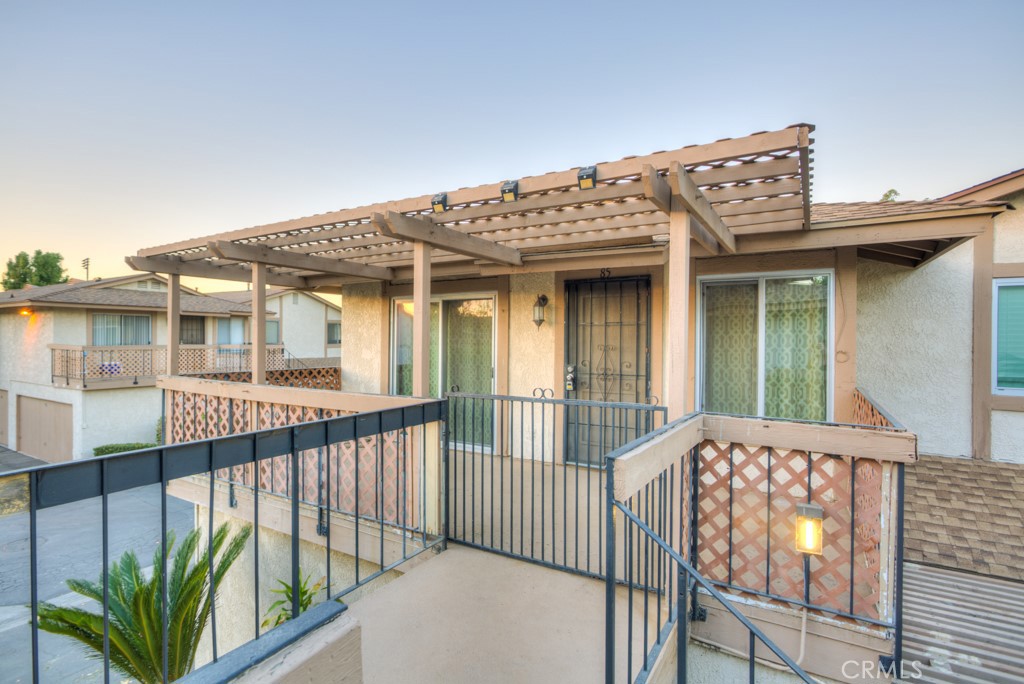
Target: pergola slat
x=264, y=255
x=405, y=227
x=684, y=188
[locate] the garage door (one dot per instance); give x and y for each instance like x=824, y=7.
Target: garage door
x=44, y=429
x=3, y=418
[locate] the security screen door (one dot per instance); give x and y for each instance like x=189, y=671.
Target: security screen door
x=607, y=344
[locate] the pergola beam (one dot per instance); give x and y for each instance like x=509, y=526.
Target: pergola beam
x=402, y=227
x=659, y=193
x=258, y=254
x=197, y=269
x=694, y=201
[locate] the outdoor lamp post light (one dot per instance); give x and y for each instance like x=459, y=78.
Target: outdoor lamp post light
x=538, y=309
x=440, y=203
x=587, y=178
x=510, y=191
x=808, y=528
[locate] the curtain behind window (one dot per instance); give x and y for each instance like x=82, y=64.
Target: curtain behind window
x=730, y=348
x=193, y=330
x=796, y=348
x=111, y=330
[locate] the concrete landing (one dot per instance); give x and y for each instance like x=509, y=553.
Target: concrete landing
x=474, y=616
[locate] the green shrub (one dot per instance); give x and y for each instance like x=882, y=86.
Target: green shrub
x=118, y=448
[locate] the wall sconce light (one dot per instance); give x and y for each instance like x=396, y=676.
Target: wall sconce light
x=439, y=203
x=25, y=312
x=587, y=178
x=808, y=528
x=510, y=191
x=538, y=309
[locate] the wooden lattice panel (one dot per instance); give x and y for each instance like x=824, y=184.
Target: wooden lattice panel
x=866, y=413
x=761, y=489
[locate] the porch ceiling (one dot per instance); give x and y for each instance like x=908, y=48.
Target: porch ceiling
x=734, y=187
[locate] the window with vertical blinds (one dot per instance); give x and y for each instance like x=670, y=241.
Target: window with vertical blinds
x=1008, y=356
x=114, y=330
x=193, y=330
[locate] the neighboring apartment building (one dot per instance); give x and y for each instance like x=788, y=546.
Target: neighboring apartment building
x=78, y=360
x=311, y=323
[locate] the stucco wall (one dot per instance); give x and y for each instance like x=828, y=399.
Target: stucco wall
x=531, y=349
x=303, y=324
x=235, y=605
x=363, y=346
x=1009, y=233
x=118, y=416
x=1008, y=436
x=914, y=344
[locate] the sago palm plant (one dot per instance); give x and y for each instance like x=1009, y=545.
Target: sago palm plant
x=136, y=625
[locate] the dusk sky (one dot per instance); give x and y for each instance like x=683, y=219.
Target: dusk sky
x=132, y=124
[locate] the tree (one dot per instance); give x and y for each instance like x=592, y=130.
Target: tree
x=43, y=268
x=890, y=195
x=136, y=622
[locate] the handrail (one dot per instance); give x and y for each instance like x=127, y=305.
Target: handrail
x=562, y=402
x=699, y=579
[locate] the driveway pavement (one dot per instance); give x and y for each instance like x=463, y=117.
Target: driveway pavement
x=70, y=546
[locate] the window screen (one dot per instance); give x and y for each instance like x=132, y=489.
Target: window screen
x=1009, y=337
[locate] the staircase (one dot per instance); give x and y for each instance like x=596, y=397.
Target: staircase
x=961, y=627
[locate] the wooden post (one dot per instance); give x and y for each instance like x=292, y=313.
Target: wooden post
x=981, y=382
x=173, y=322
x=678, y=308
x=259, y=324
x=421, y=319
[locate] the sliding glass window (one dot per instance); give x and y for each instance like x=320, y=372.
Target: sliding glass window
x=765, y=346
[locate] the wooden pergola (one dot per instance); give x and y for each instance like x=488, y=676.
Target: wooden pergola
x=636, y=209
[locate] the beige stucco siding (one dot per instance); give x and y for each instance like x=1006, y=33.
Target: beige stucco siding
x=118, y=416
x=532, y=350
x=1009, y=232
x=303, y=324
x=1008, y=436
x=914, y=346
x=364, y=345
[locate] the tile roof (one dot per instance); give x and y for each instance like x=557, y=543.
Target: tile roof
x=99, y=293
x=966, y=514
x=829, y=212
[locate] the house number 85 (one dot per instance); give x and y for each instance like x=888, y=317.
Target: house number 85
x=606, y=273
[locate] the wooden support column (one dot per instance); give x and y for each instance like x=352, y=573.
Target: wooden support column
x=678, y=308
x=981, y=382
x=173, y=322
x=846, y=334
x=259, y=324
x=421, y=319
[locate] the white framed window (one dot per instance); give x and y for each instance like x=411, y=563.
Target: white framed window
x=334, y=332
x=765, y=344
x=273, y=332
x=117, y=330
x=1008, y=336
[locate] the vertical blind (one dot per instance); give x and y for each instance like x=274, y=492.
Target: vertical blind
x=1010, y=335
x=110, y=330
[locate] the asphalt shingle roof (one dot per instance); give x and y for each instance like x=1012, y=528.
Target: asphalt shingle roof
x=828, y=212
x=99, y=293
x=966, y=514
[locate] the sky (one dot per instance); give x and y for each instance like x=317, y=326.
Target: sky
x=126, y=125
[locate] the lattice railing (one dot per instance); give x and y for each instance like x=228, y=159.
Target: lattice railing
x=308, y=378
x=867, y=412
x=76, y=364
x=747, y=498
x=376, y=475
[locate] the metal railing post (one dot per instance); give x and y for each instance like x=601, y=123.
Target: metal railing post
x=609, y=530
x=683, y=625
x=295, y=527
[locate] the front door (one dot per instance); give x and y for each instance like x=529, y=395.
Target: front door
x=607, y=351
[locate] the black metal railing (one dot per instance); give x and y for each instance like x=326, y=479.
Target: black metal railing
x=659, y=548
x=519, y=483
x=70, y=520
